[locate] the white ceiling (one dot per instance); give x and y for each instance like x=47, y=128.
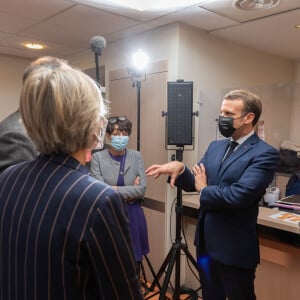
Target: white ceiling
x=66, y=27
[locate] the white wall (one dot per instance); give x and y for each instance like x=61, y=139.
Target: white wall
x=216, y=66
x=295, y=119
x=213, y=64
x=159, y=44
x=11, y=72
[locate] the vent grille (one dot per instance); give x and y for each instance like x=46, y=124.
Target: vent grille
x=255, y=4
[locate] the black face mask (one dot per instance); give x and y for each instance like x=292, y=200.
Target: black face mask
x=226, y=125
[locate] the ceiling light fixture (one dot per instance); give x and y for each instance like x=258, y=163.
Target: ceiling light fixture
x=297, y=26
x=34, y=46
x=255, y=4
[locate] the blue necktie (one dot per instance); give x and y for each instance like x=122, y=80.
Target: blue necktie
x=231, y=148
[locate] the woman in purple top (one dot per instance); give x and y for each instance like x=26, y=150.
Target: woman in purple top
x=123, y=169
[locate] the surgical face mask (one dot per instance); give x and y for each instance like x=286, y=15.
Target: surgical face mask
x=226, y=125
x=119, y=142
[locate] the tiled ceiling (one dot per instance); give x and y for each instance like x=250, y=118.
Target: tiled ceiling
x=66, y=27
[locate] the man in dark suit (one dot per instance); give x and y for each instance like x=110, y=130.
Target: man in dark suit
x=15, y=145
x=231, y=179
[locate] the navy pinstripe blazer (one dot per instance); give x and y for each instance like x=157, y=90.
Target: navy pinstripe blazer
x=63, y=234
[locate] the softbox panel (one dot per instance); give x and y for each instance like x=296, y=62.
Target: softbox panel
x=180, y=113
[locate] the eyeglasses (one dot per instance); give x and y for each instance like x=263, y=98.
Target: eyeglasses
x=114, y=120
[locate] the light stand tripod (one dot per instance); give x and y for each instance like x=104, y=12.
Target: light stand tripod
x=138, y=84
x=173, y=257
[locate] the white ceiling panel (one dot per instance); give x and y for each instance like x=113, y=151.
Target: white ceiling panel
x=143, y=16
x=3, y=35
x=276, y=34
x=66, y=27
x=12, y=24
x=225, y=8
x=122, y=34
x=91, y=20
x=17, y=52
x=34, y=9
x=18, y=42
x=197, y=17
x=59, y=34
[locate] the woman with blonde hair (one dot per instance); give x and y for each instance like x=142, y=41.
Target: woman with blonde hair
x=63, y=234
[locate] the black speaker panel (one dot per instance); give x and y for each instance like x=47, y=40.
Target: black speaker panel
x=180, y=113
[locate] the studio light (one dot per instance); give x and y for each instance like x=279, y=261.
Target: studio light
x=137, y=72
x=138, y=66
x=140, y=60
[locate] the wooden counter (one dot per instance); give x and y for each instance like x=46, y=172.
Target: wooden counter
x=264, y=216
x=278, y=274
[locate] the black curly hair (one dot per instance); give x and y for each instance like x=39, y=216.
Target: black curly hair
x=123, y=122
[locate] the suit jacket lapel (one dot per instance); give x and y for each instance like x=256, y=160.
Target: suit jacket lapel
x=215, y=161
x=242, y=150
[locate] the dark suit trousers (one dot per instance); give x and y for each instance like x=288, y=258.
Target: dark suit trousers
x=219, y=281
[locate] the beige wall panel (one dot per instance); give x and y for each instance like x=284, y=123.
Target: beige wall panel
x=156, y=240
x=153, y=102
x=11, y=72
x=123, y=101
x=295, y=120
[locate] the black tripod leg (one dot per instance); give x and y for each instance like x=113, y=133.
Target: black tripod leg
x=161, y=271
x=193, y=261
x=173, y=255
x=151, y=269
x=143, y=272
x=143, y=279
x=190, y=257
x=177, y=276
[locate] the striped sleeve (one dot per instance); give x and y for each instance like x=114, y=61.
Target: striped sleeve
x=109, y=245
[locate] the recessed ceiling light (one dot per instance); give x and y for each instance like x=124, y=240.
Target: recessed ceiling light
x=255, y=4
x=34, y=46
x=297, y=26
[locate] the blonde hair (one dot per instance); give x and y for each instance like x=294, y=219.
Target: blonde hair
x=45, y=61
x=62, y=110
